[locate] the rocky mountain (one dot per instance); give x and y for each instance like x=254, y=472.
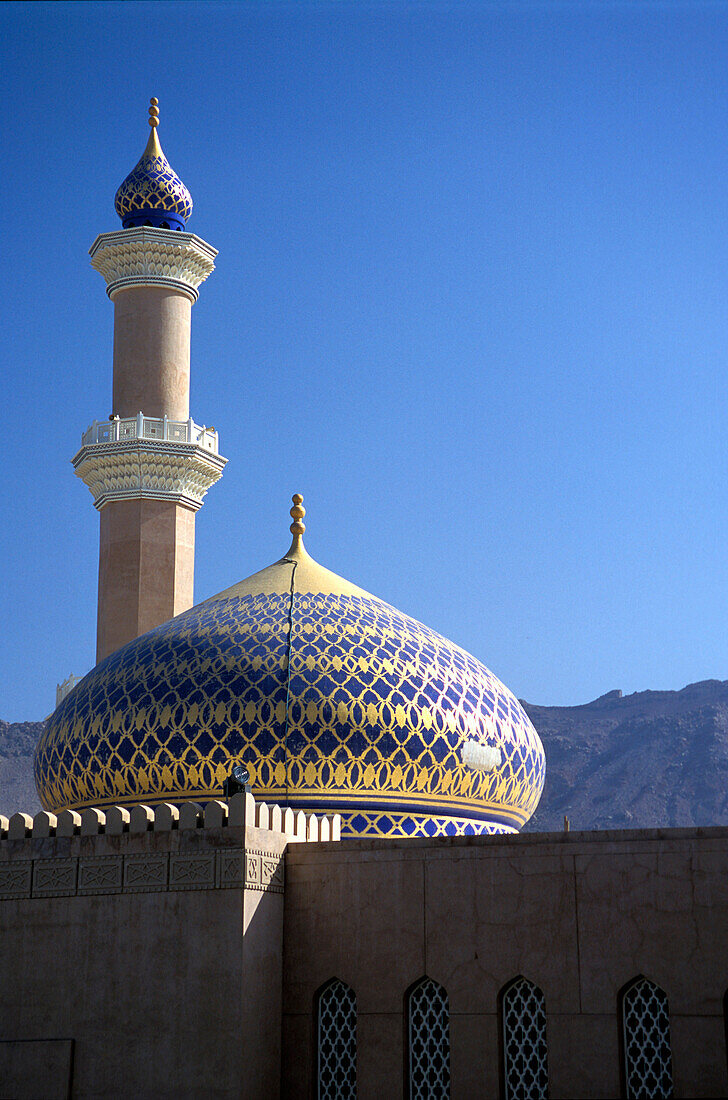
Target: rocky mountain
x=17, y=789
x=654, y=758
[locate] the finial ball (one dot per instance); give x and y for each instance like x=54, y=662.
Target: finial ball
x=297, y=513
x=153, y=111
x=154, y=101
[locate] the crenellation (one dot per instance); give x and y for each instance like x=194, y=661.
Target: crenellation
x=191, y=815
x=216, y=814
x=141, y=819
x=68, y=823
x=20, y=826
x=117, y=821
x=93, y=821
x=236, y=809
x=44, y=824
x=166, y=817
x=240, y=812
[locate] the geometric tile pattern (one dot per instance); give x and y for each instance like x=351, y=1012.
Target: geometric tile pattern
x=646, y=1033
x=336, y=1045
x=153, y=185
x=335, y=704
x=523, y=1011
x=428, y=1030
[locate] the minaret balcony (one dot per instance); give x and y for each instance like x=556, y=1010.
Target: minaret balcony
x=149, y=457
x=118, y=430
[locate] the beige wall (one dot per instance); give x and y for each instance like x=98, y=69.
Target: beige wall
x=146, y=568
x=164, y=991
x=159, y=985
x=152, y=352
x=579, y=914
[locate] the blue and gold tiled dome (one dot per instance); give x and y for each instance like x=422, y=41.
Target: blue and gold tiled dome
x=153, y=194
x=332, y=699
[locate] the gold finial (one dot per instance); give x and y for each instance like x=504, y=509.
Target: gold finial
x=154, y=111
x=298, y=512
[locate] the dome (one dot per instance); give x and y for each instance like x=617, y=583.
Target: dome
x=335, y=702
x=152, y=193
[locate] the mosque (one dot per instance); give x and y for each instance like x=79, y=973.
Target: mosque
x=278, y=850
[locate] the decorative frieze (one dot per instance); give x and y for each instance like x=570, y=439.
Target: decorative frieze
x=152, y=469
x=147, y=256
x=142, y=873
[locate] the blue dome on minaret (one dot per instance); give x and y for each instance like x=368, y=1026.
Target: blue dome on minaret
x=152, y=193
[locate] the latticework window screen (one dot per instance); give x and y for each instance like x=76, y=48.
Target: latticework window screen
x=525, y=1056
x=428, y=1029
x=646, y=1035
x=336, y=1042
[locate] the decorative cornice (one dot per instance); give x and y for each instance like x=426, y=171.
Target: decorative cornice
x=142, y=873
x=148, y=469
x=147, y=256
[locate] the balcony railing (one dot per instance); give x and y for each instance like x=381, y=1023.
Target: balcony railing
x=150, y=427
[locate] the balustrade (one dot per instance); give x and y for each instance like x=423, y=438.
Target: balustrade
x=122, y=430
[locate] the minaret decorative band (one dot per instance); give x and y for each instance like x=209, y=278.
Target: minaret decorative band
x=152, y=257
x=150, y=458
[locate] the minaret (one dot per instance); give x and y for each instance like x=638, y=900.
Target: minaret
x=149, y=465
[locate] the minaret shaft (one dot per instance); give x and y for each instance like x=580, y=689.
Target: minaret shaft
x=146, y=568
x=152, y=352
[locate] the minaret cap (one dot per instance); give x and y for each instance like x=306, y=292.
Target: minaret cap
x=153, y=194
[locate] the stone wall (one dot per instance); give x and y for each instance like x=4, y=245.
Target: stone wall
x=140, y=951
x=579, y=915
x=164, y=952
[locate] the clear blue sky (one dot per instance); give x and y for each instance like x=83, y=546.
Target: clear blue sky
x=471, y=301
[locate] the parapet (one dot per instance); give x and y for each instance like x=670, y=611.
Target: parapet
x=241, y=811
x=238, y=844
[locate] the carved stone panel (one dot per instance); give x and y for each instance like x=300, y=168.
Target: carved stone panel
x=15, y=879
x=143, y=874
x=195, y=872
x=54, y=877
x=100, y=875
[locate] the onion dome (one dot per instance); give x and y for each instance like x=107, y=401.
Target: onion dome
x=152, y=193
x=333, y=700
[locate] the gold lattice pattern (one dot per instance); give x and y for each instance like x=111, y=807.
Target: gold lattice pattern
x=153, y=185
x=367, y=718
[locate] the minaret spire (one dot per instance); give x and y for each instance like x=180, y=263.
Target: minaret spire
x=149, y=465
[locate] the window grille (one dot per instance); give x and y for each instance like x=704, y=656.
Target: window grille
x=428, y=1030
x=646, y=1035
x=336, y=1033
x=523, y=1019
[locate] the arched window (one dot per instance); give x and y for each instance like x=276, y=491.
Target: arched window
x=428, y=1041
x=647, y=1058
x=336, y=1042
x=523, y=1028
